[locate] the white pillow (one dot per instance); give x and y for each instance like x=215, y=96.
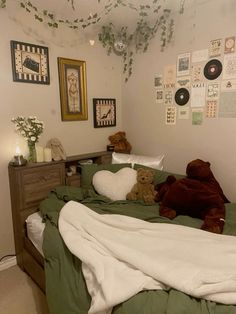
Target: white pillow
x=153, y=162
x=115, y=185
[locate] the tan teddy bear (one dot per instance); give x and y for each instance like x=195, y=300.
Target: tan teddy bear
x=121, y=145
x=144, y=188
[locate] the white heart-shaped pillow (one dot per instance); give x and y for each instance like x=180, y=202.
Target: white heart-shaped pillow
x=115, y=185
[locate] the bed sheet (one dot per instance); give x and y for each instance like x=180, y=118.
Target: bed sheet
x=65, y=286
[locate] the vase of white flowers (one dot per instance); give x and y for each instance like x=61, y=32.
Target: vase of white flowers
x=30, y=128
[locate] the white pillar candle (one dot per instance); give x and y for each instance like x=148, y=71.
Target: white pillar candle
x=39, y=154
x=47, y=154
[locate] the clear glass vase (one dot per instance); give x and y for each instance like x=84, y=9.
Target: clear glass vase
x=32, y=152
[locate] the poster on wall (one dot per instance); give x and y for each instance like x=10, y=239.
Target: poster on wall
x=212, y=91
x=183, y=64
x=227, y=105
x=229, y=44
x=158, y=81
x=198, y=94
x=171, y=115
x=211, y=109
x=228, y=85
x=183, y=81
x=159, y=96
x=200, y=55
x=229, y=68
x=183, y=113
x=169, y=78
x=197, y=116
x=168, y=97
x=215, y=48
x=197, y=73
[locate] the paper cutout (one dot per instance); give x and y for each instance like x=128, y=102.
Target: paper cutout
x=198, y=93
x=169, y=76
x=183, y=113
x=158, y=81
x=212, y=90
x=197, y=116
x=228, y=85
x=229, y=68
x=230, y=44
x=200, y=55
x=171, y=115
x=168, y=97
x=159, y=96
x=215, y=48
x=211, y=109
x=227, y=107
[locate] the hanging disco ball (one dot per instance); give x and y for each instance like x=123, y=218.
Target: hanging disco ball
x=119, y=46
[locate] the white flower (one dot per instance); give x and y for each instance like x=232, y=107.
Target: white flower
x=33, y=138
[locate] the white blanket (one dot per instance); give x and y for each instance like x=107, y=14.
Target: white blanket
x=122, y=255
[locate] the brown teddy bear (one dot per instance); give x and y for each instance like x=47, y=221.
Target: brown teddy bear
x=199, y=195
x=120, y=143
x=144, y=188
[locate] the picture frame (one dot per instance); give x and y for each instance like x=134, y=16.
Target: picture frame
x=73, y=89
x=30, y=63
x=104, y=112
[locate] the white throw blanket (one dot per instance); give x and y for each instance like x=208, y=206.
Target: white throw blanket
x=122, y=255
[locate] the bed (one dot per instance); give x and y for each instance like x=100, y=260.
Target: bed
x=66, y=287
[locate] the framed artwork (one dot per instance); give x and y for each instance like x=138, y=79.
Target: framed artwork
x=73, y=89
x=104, y=112
x=30, y=63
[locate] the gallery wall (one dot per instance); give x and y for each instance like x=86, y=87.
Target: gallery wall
x=145, y=120
x=43, y=101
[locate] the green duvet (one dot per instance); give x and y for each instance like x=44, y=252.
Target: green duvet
x=65, y=286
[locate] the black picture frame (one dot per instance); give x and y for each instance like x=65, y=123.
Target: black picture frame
x=104, y=112
x=30, y=63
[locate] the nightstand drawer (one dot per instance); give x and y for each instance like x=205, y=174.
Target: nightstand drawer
x=38, y=182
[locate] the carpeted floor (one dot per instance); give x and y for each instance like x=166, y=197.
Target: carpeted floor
x=19, y=294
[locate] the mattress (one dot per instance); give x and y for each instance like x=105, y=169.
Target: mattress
x=35, y=228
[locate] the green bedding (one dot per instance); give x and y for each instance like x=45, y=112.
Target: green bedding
x=65, y=286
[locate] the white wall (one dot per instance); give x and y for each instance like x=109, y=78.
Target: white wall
x=144, y=120
x=43, y=101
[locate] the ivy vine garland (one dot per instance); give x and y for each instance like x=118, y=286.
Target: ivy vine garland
x=119, y=41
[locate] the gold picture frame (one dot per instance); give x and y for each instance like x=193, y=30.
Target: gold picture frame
x=73, y=89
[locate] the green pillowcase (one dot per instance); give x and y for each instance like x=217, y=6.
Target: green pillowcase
x=160, y=175
x=88, y=171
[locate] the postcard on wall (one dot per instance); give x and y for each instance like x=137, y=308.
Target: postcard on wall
x=158, y=81
x=183, y=64
x=227, y=105
x=197, y=73
x=200, y=55
x=229, y=68
x=211, y=109
x=230, y=44
x=212, y=90
x=215, y=48
x=169, y=78
x=198, y=93
x=184, y=81
x=159, y=96
x=197, y=116
x=171, y=115
x=228, y=85
x=183, y=113
x=168, y=97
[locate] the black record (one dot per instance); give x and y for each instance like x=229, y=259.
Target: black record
x=182, y=96
x=213, y=69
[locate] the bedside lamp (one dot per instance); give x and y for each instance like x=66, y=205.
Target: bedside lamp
x=18, y=158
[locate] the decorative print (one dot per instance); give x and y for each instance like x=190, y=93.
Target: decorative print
x=211, y=109
x=183, y=64
x=104, y=112
x=229, y=70
x=215, y=48
x=228, y=85
x=197, y=116
x=159, y=96
x=183, y=81
x=213, y=90
x=197, y=73
x=171, y=115
x=30, y=63
x=158, y=81
x=168, y=97
x=200, y=55
x=73, y=89
x=198, y=93
x=169, y=76
x=183, y=113
x=230, y=44
x=227, y=105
